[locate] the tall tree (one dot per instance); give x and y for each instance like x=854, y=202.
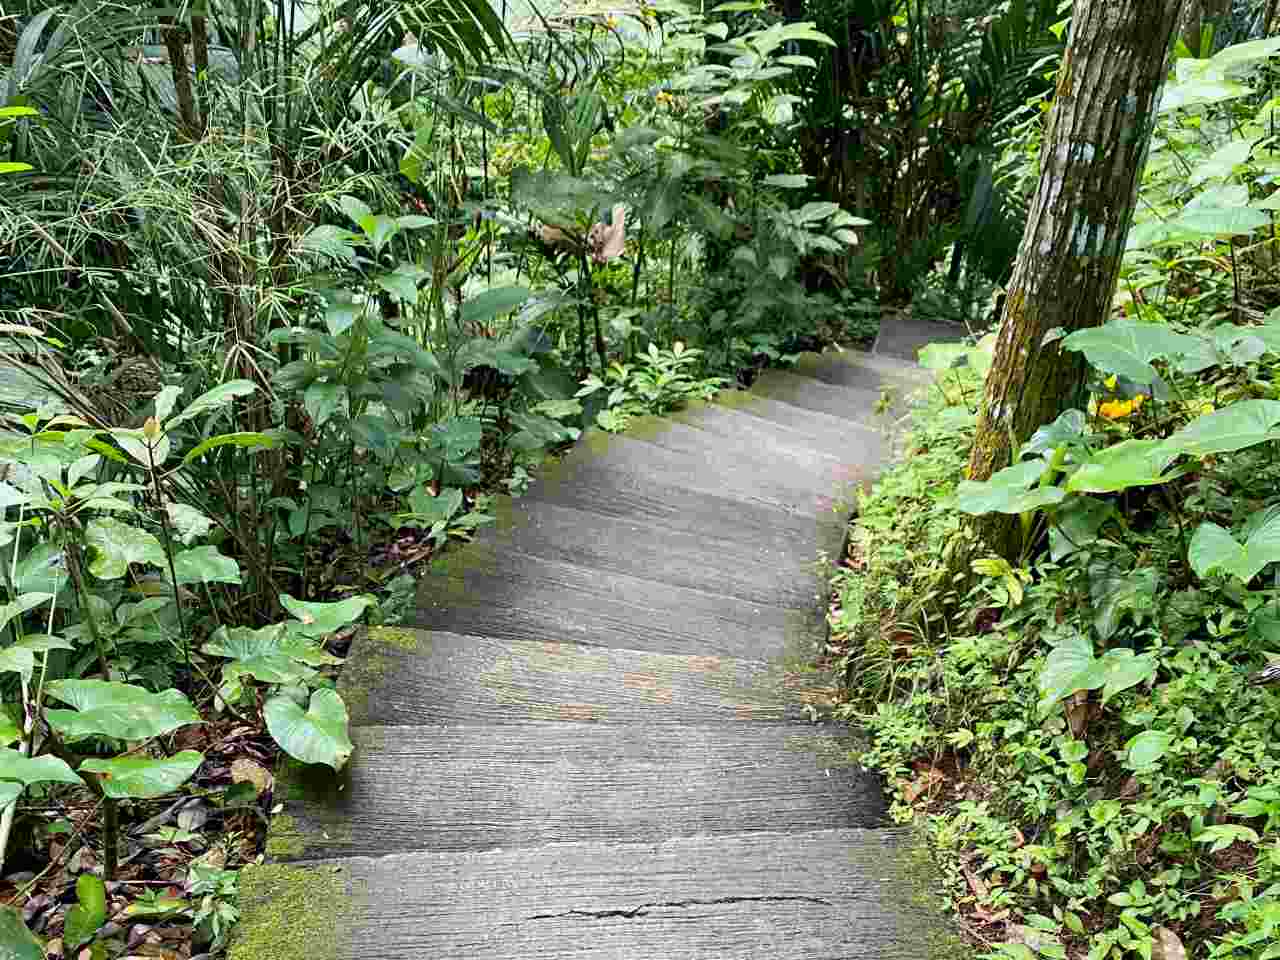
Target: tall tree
x=1094, y=151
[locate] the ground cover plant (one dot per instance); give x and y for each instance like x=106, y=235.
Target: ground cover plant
x=1085, y=726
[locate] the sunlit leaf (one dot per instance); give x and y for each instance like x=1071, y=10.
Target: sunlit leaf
x=318, y=735
x=107, y=708
x=115, y=545
x=144, y=777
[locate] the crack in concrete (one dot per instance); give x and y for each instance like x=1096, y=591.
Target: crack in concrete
x=644, y=908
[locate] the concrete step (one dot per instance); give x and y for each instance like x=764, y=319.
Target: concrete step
x=398, y=676
x=902, y=335
x=726, y=496
x=856, y=403
x=704, y=556
x=821, y=895
x=486, y=786
x=503, y=593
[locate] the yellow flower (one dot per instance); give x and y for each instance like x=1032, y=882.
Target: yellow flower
x=1119, y=409
x=611, y=22
x=1110, y=382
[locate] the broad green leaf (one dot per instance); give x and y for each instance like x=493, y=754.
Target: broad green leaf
x=355, y=208
x=1214, y=549
x=1130, y=463
x=1243, y=55
x=115, y=545
x=1076, y=525
x=948, y=356
x=1221, y=222
x=16, y=941
x=459, y=436
x=1222, y=162
x=1146, y=748
x=1223, y=835
x=1126, y=347
x=1115, y=592
x=787, y=181
x=1008, y=491
x=317, y=619
x=1069, y=667
x=400, y=286
x=1242, y=424
x=26, y=770
x=1124, y=669
x=323, y=399
x=141, y=778
x=265, y=654
x=19, y=660
x=10, y=732
x=219, y=396
x=317, y=736
x=245, y=439
x=430, y=509
x=84, y=919
x=107, y=708
x=204, y=565
x=483, y=307
x=187, y=522
x=24, y=603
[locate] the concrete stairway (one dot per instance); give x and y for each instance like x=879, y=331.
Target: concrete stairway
x=593, y=743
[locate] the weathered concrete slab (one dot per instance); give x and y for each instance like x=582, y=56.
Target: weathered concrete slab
x=628, y=478
x=847, y=403
x=857, y=370
x=818, y=895
x=771, y=574
x=415, y=677
x=902, y=335
x=848, y=439
x=501, y=593
x=480, y=787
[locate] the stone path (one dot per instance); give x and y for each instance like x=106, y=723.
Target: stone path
x=593, y=743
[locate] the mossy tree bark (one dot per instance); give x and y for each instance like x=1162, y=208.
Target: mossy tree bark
x=1094, y=150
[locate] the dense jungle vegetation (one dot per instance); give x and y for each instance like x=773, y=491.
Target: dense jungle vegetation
x=292, y=289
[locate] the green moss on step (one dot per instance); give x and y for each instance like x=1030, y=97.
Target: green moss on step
x=918, y=873
x=284, y=840
x=289, y=913
x=395, y=637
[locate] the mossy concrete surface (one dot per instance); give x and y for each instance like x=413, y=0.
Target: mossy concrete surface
x=594, y=737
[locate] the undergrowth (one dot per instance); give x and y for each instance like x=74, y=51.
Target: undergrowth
x=1059, y=830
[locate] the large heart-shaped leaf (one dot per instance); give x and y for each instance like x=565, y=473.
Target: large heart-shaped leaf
x=107, y=708
x=1008, y=491
x=428, y=509
x=1244, y=423
x=204, y=565
x=272, y=654
x=323, y=399
x=1071, y=667
x=316, y=619
x=141, y=778
x=1126, y=347
x=1214, y=549
x=1146, y=748
x=116, y=545
x=1131, y=463
x=26, y=770
x=317, y=736
x=16, y=941
x=483, y=307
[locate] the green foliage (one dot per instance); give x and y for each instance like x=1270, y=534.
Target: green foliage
x=657, y=382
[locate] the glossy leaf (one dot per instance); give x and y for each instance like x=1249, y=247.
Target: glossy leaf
x=1131, y=463
x=1126, y=347
x=107, y=708
x=316, y=619
x=1214, y=550
x=116, y=544
x=267, y=654
x=1244, y=423
x=1008, y=491
x=318, y=735
x=1145, y=749
x=204, y=565
x=219, y=396
x=141, y=778
x=19, y=768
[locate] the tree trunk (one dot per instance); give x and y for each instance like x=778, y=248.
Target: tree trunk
x=1091, y=163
